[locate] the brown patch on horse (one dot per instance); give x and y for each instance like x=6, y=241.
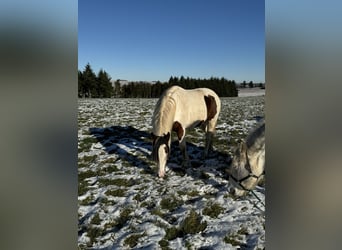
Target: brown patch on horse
x=177, y=127
x=211, y=107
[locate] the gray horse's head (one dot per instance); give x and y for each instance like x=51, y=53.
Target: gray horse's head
x=246, y=170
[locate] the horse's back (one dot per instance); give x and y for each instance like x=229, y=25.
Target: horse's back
x=172, y=90
x=177, y=90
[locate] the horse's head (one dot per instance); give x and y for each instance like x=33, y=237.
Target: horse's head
x=160, y=151
x=241, y=178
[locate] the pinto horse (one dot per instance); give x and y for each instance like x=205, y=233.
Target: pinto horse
x=177, y=110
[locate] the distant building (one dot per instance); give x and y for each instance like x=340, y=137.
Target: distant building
x=122, y=82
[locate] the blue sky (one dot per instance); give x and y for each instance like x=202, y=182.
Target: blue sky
x=152, y=40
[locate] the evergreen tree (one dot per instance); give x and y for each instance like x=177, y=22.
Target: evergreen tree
x=81, y=85
x=89, y=79
x=104, y=85
x=171, y=80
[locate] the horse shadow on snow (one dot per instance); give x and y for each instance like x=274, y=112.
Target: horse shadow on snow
x=135, y=147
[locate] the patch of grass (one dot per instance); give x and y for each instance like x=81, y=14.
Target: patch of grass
x=142, y=187
x=89, y=158
x=193, y=193
x=192, y=223
x=188, y=245
x=110, y=160
x=161, y=190
x=123, y=217
x=148, y=204
x=96, y=219
x=86, y=174
x=116, y=192
x=82, y=164
x=209, y=195
x=109, y=169
x=86, y=143
x=236, y=239
x=232, y=239
x=121, y=182
x=86, y=201
x=133, y=239
x=138, y=197
x=164, y=244
x=173, y=233
x=110, y=225
x=181, y=192
x=158, y=212
x=213, y=210
x=106, y=202
x=82, y=188
x=93, y=232
x=170, y=203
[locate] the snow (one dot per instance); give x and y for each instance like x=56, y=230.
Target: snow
x=114, y=144
x=244, y=92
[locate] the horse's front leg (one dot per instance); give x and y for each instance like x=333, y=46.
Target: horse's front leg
x=182, y=146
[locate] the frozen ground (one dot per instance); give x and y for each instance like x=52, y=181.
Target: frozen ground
x=124, y=205
x=243, y=92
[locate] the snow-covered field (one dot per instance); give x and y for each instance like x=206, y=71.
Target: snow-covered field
x=122, y=204
x=243, y=92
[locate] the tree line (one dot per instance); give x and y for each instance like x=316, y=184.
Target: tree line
x=91, y=85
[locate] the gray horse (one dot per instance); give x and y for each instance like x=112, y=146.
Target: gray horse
x=248, y=163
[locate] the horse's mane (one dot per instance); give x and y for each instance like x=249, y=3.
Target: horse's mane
x=164, y=112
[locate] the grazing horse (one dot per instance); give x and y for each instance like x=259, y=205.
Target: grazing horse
x=248, y=163
x=176, y=110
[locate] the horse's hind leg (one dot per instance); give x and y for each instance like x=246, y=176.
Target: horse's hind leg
x=208, y=143
x=209, y=134
x=182, y=146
